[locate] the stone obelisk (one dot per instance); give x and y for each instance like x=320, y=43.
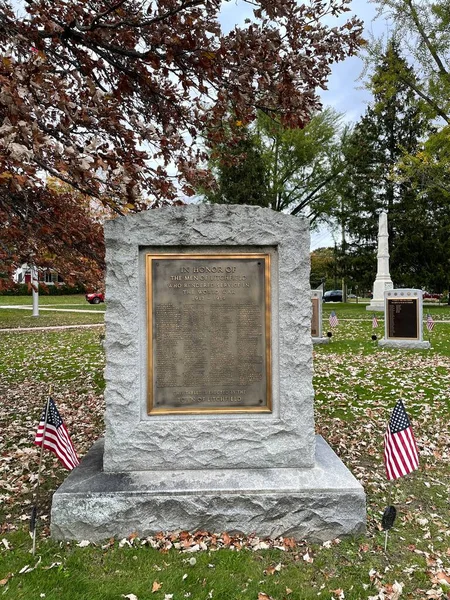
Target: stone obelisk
x=383, y=279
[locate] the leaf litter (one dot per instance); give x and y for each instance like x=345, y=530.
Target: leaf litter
x=354, y=397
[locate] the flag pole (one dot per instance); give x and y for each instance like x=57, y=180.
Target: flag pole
x=36, y=494
x=386, y=533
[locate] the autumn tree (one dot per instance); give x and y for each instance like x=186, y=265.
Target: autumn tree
x=106, y=95
x=52, y=227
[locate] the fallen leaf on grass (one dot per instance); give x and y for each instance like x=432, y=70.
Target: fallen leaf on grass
x=307, y=558
x=130, y=596
x=273, y=569
x=52, y=566
x=28, y=569
x=395, y=590
x=264, y=596
x=83, y=544
x=288, y=591
x=441, y=578
x=156, y=586
x=6, y=579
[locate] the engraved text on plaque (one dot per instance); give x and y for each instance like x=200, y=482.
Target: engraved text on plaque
x=208, y=333
x=403, y=319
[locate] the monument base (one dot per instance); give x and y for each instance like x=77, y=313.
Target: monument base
x=404, y=344
x=320, y=340
x=376, y=306
x=320, y=503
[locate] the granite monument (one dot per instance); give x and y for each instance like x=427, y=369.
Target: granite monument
x=209, y=397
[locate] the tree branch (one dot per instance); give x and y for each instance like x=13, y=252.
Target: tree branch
x=426, y=39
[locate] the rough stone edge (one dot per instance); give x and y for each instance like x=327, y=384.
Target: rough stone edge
x=293, y=428
x=308, y=512
x=405, y=345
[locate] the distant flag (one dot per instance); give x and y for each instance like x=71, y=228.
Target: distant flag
x=374, y=321
x=53, y=436
x=430, y=322
x=333, y=319
x=400, y=450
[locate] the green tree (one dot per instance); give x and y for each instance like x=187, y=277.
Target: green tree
x=393, y=124
x=421, y=30
x=290, y=170
x=240, y=173
x=323, y=267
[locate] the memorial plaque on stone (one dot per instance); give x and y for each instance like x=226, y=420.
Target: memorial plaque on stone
x=316, y=326
x=209, y=333
x=402, y=318
x=315, y=331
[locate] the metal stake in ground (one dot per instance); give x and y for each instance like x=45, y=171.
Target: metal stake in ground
x=387, y=521
x=34, y=511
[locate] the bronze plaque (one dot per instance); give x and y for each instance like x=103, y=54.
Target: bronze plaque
x=315, y=321
x=208, y=333
x=403, y=318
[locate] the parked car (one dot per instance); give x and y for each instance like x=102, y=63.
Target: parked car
x=429, y=295
x=333, y=296
x=95, y=298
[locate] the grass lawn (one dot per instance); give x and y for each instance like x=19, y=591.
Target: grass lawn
x=65, y=311
x=356, y=386
x=72, y=300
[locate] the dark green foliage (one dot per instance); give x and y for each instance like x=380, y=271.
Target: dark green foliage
x=289, y=170
x=241, y=174
x=419, y=219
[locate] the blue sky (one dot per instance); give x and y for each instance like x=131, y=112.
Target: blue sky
x=346, y=92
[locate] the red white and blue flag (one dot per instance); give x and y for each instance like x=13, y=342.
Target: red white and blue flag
x=333, y=319
x=374, y=321
x=53, y=435
x=430, y=322
x=400, y=450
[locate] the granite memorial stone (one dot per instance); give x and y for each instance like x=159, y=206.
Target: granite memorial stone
x=403, y=320
x=316, y=319
x=209, y=398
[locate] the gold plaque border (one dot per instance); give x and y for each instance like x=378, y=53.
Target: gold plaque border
x=151, y=410
x=388, y=337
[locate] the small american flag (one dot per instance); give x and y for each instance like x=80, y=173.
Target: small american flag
x=54, y=436
x=374, y=321
x=400, y=450
x=430, y=322
x=333, y=319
